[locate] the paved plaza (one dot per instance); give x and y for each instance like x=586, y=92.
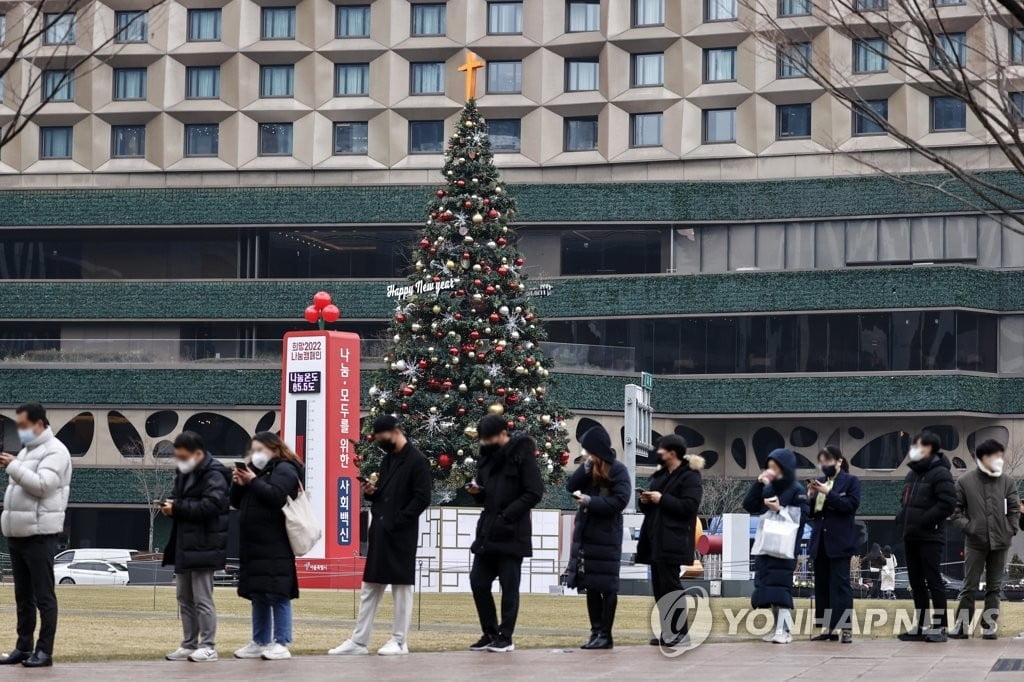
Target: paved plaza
x=747, y=660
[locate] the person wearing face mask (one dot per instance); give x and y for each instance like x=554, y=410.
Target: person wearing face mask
x=38, y=486
x=198, y=509
x=834, y=498
x=266, y=573
x=397, y=497
x=508, y=485
x=929, y=497
x=987, y=513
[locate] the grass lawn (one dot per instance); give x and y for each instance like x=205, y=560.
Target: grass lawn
x=137, y=623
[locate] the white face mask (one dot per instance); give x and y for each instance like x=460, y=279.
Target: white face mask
x=187, y=466
x=260, y=459
x=916, y=454
x=26, y=436
x=995, y=465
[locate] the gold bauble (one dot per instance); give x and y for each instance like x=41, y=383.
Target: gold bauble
x=470, y=431
x=477, y=218
x=496, y=408
x=545, y=419
x=436, y=309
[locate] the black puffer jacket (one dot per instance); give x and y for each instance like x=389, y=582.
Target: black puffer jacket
x=199, y=528
x=596, y=554
x=267, y=564
x=510, y=487
x=667, y=534
x=929, y=497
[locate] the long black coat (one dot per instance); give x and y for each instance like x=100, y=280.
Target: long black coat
x=403, y=492
x=510, y=485
x=267, y=561
x=835, y=524
x=597, y=532
x=929, y=497
x=199, y=524
x=667, y=534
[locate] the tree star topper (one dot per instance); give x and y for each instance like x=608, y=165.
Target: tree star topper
x=472, y=64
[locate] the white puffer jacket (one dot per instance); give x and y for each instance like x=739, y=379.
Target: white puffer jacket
x=38, y=486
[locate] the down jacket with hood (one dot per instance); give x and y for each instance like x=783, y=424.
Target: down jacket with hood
x=929, y=497
x=596, y=553
x=773, y=577
x=667, y=534
x=38, y=486
x=510, y=486
x=199, y=524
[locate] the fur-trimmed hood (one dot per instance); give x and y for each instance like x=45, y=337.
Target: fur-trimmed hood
x=695, y=462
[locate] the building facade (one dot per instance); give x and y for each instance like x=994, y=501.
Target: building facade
x=700, y=209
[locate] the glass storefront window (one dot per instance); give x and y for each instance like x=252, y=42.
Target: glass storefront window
x=337, y=253
x=607, y=252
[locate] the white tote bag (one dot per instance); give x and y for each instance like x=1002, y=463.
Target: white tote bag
x=300, y=523
x=776, y=533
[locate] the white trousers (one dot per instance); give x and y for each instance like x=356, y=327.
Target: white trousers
x=369, y=601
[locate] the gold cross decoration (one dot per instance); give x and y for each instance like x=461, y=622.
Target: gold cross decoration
x=472, y=64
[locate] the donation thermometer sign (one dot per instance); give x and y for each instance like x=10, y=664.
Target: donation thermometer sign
x=320, y=419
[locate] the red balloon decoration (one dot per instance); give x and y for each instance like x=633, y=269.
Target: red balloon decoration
x=331, y=313
x=311, y=314
x=321, y=300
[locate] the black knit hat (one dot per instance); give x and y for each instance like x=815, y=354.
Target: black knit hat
x=383, y=423
x=491, y=425
x=597, y=442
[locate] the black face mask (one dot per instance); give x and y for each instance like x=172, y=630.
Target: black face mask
x=829, y=470
x=488, y=449
x=386, y=445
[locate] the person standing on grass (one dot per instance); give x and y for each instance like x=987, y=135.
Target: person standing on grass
x=834, y=499
x=929, y=497
x=198, y=509
x=987, y=513
x=601, y=489
x=777, y=488
x=667, y=535
x=397, y=497
x=38, y=486
x=266, y=574
x=508, y=485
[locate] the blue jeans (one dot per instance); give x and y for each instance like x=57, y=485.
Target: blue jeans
x=271, y=619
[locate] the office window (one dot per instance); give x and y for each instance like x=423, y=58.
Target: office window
x=645, y=130
x=426, y=137
x=352, y=21
x=648, y=12
x=277, y=81
x=60, y=29
x=277, y=23
x=351, y=79
x=504, y=77
x=1017, y=107
x=351, y=137
x=580, y=134
x=794, y=8
x=58, y=85
x=202, y=82
x=55, y=142
x=793, y=121
x=132, y=27
x=426, y=78
x=127, y=142
x=648, y=69
x=948, y=3
x=948, y=113
x=583, y=16
x=202, y=139
x=864, y=123
x=504, y=18
x=505, y=134
x=1017, y=46
x=129, y=84
x=719, y=64
x=794, y=60
x=581, y=75
x=869, y=5
x=869, y=55
x=275, y=139
x=203, y=25
x=949, y=50
x=720, y=10
x=719, y=125
x=428, y=20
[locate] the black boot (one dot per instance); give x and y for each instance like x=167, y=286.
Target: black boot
x=38, y=660
x=593, y=635
x=15, y=657
x=602, y=641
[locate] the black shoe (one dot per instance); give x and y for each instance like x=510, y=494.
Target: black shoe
x=481, y=644
x=937, y=637
x=847, y=637
x=654, y=641
x=601, y=641
x=15, y=657
x=990, y=635
x=910, y=637
x=956, y=634
x=593, y=636
x=501, y=645
x=38, y=660
x=826, y=637
x=681, y=640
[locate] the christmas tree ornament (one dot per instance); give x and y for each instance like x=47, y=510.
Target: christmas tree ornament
x=496, y=408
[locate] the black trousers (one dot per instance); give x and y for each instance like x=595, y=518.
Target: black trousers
x=665, y=580
x=925, y=577
x=32, y=567
x=833, y=594
x=507, y=569
x=601, y=610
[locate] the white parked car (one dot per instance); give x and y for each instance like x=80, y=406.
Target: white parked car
x=91, y=573
x=120, y=556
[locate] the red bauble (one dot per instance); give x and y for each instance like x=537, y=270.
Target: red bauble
x=405, y=407
x=408, y=391
x=511, y=424
x=468, y=204
x=481, y=357
x=492, y=214
x=454, y=350
x=500, y=391
x=489, y=290
x=461, y=411
x=458, y=316
x=503, y=271
x=512, y=399
x=502, y=241
x=487, y=202
x=331, y=313
x=432, y=250
x=494, y=318
x=499, y=349
x=445, y=217
x=447, y=385
x=522, y=418
x=478, y=282
x=519, y=261
x=564, y=459
x=437, y=278
x=444, y=461
x=433, y=215
x=433, y=384
x=424, y=243
x=311, y=314
x=513, y=285
x=321, y=300
x=529, y=361
x=465, y=255
x=536, y=453
x=474, y=335
x=422, y=364
x=460, y=183
x=440, y=193
x=530, y=317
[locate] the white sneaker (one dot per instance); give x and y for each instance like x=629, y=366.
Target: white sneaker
x=179, y=654
x=349, y=648
x=770, y=637
x=393, y=648
x=250, y=650
x=203, y=655
x=782, y=638
x=276, y=652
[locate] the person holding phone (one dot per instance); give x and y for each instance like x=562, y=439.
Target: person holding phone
x=260, y=488
x=601, y=489
x=667, y=539
x=776, y=488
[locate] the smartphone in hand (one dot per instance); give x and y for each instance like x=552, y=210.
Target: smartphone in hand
x=241, y=465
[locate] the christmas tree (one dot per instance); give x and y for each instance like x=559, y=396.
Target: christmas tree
x=466, y=337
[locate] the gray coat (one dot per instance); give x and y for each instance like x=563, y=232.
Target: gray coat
x=987, y=510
